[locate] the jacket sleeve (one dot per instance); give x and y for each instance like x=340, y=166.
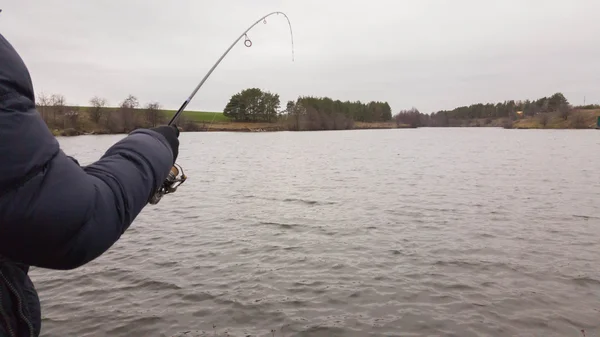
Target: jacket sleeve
x=67, y=215
x=53, y=212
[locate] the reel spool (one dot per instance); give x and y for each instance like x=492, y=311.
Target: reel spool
x=175, y=178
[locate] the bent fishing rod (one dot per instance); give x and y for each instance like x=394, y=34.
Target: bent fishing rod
x=176, y=176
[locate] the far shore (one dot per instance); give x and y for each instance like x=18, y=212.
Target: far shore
x=255, y=110
x=231, y=127
x=275, y=127
x=206, y=122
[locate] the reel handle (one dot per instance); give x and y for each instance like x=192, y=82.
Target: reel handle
x=173, y=173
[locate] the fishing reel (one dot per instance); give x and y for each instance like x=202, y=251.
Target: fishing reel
x=175, y=178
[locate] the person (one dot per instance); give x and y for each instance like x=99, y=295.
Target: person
x=55, y=213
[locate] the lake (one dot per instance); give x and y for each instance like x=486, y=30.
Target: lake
x=404, y=232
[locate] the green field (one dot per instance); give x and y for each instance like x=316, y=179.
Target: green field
x=200, y=116
x=195, y=116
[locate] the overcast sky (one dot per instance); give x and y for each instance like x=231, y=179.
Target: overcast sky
x=431, y=54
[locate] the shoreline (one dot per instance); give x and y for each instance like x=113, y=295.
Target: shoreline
x=587, y=120
x=260, y=127
x=232, y=127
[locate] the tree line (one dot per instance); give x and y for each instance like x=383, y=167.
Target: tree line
x=306, y=113
x=249, y=105
x=323, y=113
x=510, y=110
x=555, y=103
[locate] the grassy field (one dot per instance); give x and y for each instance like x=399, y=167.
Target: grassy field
x=196, y=116
x=200, y=116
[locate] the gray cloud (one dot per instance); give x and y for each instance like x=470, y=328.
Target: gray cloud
x=432, y=54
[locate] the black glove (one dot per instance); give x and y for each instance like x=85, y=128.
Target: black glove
x=171, y=133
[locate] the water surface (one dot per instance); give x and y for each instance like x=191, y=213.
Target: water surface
x=424, y=232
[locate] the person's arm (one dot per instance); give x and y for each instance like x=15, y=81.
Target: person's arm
x=66, y=215
x=53, y=212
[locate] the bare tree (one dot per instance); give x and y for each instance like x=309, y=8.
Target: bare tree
x=127, y=111
x=98, y=103
x=43, y=101
x=544, y=118
x=313, y=118
x=564, y=110
x=153, y=113
x=410, y=117
x=57, y=103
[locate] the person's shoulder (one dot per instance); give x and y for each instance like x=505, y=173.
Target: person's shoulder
x=14, y=76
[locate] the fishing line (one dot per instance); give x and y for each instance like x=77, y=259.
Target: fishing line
x=176, y=176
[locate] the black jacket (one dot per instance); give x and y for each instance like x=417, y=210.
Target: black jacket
x=53, y=212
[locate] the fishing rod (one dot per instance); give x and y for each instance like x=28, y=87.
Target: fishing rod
x=176, y=176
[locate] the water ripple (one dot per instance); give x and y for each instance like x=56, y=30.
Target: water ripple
x=445, y=232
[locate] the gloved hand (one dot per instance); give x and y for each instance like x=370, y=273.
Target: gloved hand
x=171, y=133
